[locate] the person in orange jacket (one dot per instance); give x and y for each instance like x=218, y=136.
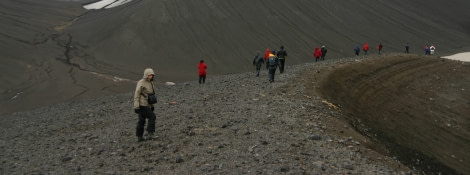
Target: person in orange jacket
x=317, y=54
x=202, y=71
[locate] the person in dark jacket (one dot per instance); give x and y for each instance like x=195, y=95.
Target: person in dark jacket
x=142, y=107
x=323, y=52
x=427, y=50
x=407, y=48
x=357, y=50
x=202, y=71
x=272, y=64
x=258, y=61
x=379, y=47
x=282, y=54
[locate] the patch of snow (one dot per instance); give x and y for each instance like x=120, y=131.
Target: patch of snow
x=106, y=4
x=465, y=56
x=118, y=3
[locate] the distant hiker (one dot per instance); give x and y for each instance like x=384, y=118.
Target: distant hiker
x=407, y=48
x=427, y=50
x=202, y=71
x=258, y=61
x=272, y=63
x=317, y=54
x=432, y=49
x=357, y=50
x=379, y=47
x=365, y=48
x=323, y=52
x=266, y=55
x=144, y=106
x=281, y=54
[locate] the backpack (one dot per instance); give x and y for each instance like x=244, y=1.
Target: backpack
x=272, y=61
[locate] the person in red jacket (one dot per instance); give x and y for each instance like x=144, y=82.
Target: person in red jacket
x=317, y=54
x=266, y=54
x=365, y=48
x=202, y=71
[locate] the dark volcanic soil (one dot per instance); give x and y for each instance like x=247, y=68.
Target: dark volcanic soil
x=241, y=124
x=57, y=50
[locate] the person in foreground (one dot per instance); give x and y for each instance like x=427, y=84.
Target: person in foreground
x=144, y=107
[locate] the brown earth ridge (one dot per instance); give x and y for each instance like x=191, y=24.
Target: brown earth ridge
x=416, y=107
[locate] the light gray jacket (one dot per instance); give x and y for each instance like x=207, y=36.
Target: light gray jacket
x=143, y=88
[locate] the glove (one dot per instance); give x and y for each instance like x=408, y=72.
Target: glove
x=152, y=108
x=137, y=111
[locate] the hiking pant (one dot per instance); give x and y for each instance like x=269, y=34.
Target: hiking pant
x=281, y=67
x=258, y=69
x=272, y=71
x=145, y=113
x=202, y=79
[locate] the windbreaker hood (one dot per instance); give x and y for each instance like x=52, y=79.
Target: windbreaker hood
x=148, y=72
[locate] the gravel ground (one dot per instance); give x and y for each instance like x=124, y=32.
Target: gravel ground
x=233, y=124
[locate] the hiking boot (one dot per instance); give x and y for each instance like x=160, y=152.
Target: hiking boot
x=140, y=139
x=151, y=136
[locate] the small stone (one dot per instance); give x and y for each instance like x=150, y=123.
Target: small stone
x=179, y=159
x=348, y=166
x=314, y=137
x=284, y=169
x=67, y=158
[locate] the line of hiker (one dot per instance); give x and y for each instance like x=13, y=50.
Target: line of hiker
x=428, y=49
x=144, y=97
x=272, y=59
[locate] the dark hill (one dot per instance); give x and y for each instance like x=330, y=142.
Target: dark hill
x=59, y=51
